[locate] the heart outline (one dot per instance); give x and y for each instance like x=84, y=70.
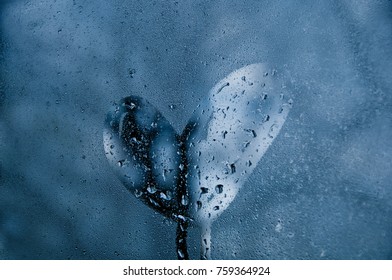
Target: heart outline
x=208, y=114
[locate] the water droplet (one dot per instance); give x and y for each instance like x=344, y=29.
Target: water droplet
x=151, y=189
x=222, y=87
x=199, y=204
x=272, y=130
x=232, y=168
x=182, y=218
x=184, y=200
x=290, y=235
x=204, y=190
x=152, y=201
x=181, y=166
x=169, y=194
x=180, y=253
x=216, y=208
x=165, y=196
x=251, y=132
x=130, y=106
x=172, y=107
x=266, y=118
x=219, y=188
x=131, y=72
x=138, y=193
x=246, y=144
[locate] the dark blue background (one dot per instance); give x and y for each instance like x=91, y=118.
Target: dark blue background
x=322, y=191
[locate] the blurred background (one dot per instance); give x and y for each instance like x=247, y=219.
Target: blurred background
x=323, y=190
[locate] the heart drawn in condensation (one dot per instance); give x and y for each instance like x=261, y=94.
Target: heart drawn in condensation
x=193, y=177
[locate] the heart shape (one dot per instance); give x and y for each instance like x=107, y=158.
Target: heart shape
x=193, y=177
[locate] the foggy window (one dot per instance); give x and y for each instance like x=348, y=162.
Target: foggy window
x=195, y=129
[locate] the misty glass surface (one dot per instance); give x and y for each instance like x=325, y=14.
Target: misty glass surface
x=322, y=190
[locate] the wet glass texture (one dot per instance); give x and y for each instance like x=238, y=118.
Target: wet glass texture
x=212, y=129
